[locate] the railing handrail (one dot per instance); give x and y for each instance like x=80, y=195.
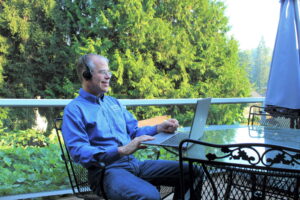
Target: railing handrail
x=125, y=102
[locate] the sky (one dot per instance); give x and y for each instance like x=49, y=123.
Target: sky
x=250, y=20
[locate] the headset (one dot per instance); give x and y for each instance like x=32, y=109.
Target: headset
x=87, y=75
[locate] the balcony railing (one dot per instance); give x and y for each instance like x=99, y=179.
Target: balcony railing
x=125, y=102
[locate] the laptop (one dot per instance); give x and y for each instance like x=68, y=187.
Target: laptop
x=196, y=131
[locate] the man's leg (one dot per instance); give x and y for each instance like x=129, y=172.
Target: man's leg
x=123, y=185
x=163, y=172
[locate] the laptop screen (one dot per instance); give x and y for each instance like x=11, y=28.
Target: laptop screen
x=200, y=117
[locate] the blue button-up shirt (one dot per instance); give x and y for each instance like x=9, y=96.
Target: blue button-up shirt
x=93, y=128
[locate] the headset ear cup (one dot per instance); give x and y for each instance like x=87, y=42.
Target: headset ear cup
x=87, y=75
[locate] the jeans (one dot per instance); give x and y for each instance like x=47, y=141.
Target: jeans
x=129, y=178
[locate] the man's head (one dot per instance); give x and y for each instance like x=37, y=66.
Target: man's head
x=94, y=74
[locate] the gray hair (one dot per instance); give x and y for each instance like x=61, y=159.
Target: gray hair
x=86, y=63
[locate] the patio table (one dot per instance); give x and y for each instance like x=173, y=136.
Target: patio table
x=248, y=156
x=235, y=134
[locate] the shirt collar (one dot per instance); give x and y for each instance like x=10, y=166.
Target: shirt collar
x=90, y=97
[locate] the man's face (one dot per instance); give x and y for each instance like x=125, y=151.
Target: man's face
x=99, y=83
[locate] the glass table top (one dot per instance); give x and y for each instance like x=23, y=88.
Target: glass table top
x=232, y=134
x=228, y=134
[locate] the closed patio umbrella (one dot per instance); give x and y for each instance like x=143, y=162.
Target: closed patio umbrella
x=283, y=89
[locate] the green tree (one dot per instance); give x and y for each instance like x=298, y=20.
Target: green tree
x=261, y=66
x=37, y=55
x=158, y=49
x=246, y=61
x=162, y=49
x=34, y=54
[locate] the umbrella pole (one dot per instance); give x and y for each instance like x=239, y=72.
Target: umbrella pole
x=296, y=8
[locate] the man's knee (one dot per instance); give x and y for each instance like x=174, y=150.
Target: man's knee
x=154, y=195
x=146, y=192
x=120, y=184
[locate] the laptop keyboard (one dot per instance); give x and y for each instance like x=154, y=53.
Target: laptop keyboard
x=175, y=139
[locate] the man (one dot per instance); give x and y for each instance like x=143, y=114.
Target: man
x=97, y=128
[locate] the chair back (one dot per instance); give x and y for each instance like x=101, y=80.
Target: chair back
x=258, y=116
x=241, y=171
x=78, y=175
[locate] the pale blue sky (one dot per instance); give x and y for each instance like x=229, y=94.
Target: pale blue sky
x=252, y=19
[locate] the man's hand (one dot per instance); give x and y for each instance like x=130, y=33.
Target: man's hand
x=134, y=145
x=168, y=126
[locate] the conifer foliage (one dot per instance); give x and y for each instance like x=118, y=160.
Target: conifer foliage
x=157, y=48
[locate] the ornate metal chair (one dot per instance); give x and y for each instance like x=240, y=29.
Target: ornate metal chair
x=259, y=116
x=241, y=171
x=78, y=176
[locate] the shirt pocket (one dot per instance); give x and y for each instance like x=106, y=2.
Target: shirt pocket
x=117, y=117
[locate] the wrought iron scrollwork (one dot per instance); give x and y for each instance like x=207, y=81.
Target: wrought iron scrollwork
x=268, y=157
x=282, y=156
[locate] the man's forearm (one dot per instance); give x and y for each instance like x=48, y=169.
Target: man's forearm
x=122, y=151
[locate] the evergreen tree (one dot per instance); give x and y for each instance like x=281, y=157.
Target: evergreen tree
x=261, y=66
x=246, y=61
x=34, y=54
x=157, y=49
x=163, y=49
